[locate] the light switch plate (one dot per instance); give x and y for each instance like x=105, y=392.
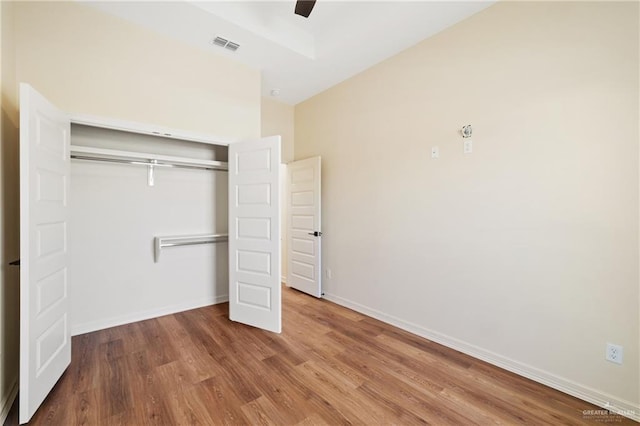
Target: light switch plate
x=468, y=146
x=435, y=152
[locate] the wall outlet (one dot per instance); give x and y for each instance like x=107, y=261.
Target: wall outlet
x=614, y=353
x=327, y=273
x=435, y=152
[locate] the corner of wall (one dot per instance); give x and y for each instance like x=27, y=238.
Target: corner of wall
x=276, y=118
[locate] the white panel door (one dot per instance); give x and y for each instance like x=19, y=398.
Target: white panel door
x=304, y=268
x=45, y=342
x=254, y=233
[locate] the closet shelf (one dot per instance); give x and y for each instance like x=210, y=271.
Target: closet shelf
x=185, y=240
x=143, y=158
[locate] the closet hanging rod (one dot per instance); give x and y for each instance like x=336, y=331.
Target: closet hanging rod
x=142, y=158
x=154, y=163
x=185, y=240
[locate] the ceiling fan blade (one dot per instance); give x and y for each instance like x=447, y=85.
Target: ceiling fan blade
x=304, y=7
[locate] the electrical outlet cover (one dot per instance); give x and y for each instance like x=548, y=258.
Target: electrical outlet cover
x=614, y=353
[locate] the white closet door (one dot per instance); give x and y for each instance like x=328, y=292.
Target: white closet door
x=45, y=341
x=254, y=233
x=304, y=266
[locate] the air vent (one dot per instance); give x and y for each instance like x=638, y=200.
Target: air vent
x=223, y=42
x=219, y=41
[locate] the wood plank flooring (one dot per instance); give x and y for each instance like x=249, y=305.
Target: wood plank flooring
x=330, y=366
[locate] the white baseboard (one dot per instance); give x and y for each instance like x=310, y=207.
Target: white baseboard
x=8, y=400
x=88, y=327
x=585, y=393
x=283, y=279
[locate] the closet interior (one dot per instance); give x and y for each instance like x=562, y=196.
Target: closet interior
x=148, y=226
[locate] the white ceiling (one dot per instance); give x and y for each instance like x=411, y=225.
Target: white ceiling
x=299, y=56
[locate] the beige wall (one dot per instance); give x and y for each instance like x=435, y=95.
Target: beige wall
x=524, y=252
x=89, y=62
x=9, y=221
x=277, y=119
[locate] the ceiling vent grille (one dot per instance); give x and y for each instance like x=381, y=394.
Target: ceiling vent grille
x=223, y=42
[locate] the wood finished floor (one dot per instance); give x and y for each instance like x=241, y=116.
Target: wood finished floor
x=330, y=366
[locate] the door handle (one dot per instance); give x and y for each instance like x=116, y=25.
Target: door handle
x=315, y=233
x=15, y=263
